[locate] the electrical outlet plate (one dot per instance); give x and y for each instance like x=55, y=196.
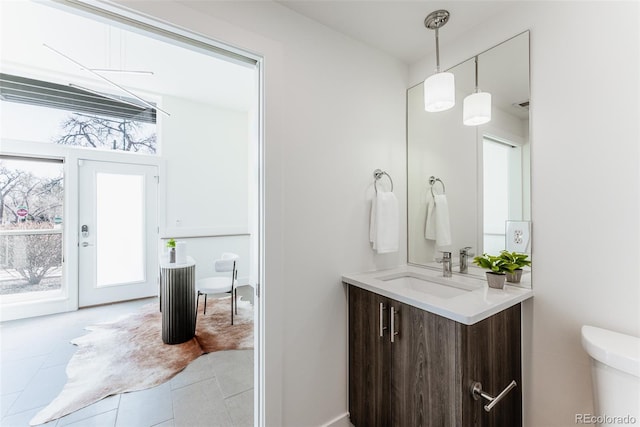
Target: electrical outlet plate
x=518, y=236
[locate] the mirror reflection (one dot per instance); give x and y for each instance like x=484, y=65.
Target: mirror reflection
x=475, y=178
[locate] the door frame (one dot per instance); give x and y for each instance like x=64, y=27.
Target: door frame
x=112, y=12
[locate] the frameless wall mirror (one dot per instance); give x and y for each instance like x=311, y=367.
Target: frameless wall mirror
x=483, y=171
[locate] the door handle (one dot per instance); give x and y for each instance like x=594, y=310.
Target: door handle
x=85, y=244
x=392, y=321
x=477, y=393
x=382, y=308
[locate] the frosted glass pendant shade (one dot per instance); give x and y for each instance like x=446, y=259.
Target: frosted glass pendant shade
x=476, y=109
x=439, y=92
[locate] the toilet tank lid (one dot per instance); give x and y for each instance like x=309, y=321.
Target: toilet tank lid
x=614, y=349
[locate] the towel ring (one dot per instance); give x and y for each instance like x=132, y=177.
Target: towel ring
x=432, y=181
x=377, y=174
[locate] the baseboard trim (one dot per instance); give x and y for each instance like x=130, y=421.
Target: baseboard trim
x=339, y=421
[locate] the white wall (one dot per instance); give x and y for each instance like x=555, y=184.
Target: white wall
x=585, y=188
x=206, y=149
x=335, y=111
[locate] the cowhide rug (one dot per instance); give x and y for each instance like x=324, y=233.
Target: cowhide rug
x=129, y=355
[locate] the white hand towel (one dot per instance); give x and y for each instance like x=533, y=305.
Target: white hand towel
x=430, y=224
x=372, y=223
x=437, y=225
x=443, y=228
x=384, y=231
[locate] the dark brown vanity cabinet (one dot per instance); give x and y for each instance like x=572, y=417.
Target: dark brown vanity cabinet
x=423, y=377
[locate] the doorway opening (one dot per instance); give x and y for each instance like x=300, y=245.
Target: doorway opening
x=502, y=193
x=135, y=109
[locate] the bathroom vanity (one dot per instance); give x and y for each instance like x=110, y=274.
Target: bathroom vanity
x=429, y=350
x=419, y=344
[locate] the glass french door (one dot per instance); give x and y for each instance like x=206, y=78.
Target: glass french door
x=117, y=233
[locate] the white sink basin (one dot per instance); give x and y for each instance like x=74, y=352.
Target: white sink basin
x=441, y=287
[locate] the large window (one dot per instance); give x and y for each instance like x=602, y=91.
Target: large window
x=31, y=213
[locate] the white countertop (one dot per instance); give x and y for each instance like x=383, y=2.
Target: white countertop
x=471, y=302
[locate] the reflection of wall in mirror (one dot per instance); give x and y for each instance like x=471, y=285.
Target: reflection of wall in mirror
x=440, y=145
x=443, y=147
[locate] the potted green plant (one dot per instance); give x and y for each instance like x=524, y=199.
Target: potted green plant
x=171, y=244
x=519, y=260
x=498, y=269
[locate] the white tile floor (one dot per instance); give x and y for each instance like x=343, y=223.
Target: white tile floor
x=214, y=390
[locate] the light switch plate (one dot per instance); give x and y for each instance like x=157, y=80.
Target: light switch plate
x=518, y=236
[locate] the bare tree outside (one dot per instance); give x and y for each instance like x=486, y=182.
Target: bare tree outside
x=9, y=179
x=38, y=254
x=30, y=233
x=83, y=130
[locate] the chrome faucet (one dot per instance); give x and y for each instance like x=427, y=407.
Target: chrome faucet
x=464, y=259
x=446, y=264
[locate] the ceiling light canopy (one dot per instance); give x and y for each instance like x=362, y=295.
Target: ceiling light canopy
x=439, y=89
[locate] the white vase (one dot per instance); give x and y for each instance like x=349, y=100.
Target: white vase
x=181, y=252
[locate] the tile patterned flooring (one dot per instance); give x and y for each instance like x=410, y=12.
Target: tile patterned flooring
x=214, y=390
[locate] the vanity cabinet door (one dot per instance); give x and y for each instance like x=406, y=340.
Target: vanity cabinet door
x=369, y=359
x=491, y=354
x=424, y=377
x=424, y=384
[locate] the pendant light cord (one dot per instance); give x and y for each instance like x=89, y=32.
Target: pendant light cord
x=476, y=62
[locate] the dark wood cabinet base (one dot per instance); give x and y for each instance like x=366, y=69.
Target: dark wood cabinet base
x=424, y=377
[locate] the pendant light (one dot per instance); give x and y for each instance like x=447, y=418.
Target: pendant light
x=439, y=89
x=476, y=109
x=100, y=76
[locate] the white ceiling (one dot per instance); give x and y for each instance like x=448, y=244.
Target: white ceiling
x=397, y=26
x=180, y=72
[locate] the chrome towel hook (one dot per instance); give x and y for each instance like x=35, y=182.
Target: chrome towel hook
x=432, y=181
x=377, y=174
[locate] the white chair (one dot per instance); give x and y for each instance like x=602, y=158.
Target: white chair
x=220, y=284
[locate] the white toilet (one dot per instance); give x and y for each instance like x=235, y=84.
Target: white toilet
x=615, y=371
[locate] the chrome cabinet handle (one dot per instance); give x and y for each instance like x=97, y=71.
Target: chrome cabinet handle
x=381, y=319
x=393, y=323
x=477, y=393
